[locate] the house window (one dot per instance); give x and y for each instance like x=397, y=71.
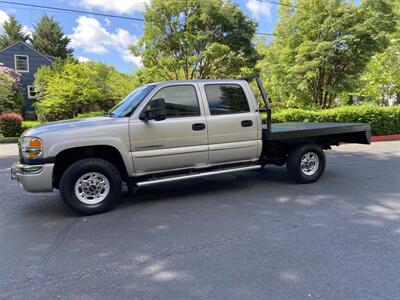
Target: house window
x=31, y=92
x=21, y=63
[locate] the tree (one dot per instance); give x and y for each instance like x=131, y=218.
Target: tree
x=195, y=39
x=381, y=78
x=69, y=88
x=49, y=38
x=10, y=91
x=13, y=32
x=321, y=46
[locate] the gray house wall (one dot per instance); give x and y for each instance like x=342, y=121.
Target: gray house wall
x=36, y=60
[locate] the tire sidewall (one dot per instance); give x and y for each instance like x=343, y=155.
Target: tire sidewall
x=297, y=155
x=79, y=168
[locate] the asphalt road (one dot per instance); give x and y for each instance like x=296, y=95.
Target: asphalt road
x=253, y=235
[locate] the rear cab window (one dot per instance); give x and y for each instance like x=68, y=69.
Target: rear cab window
x=224, y=99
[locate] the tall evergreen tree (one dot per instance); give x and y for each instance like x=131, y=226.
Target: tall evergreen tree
x=50, y=39
x=13, y=32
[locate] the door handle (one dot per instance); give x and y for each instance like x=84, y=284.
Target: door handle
x=198, y=126
x=247, y=123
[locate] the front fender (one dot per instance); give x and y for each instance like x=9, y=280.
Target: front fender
x=122, y=147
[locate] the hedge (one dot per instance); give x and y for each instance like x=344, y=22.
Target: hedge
x=383, y=120
x=8, y=140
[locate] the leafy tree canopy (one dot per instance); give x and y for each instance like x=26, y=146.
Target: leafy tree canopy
x=13, y=32
x=70, y=88
x=322, y=45
x=195, y=39
x=382, y=75
x=49, y=38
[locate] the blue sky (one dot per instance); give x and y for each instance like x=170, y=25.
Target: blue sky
x=107, y=39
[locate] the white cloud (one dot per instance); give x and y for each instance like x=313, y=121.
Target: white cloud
x=259, y=9
x=27, y=30
x=3, y=17
x=83, y=59
x=92, y=37
x=108, y=22
x=120, y=6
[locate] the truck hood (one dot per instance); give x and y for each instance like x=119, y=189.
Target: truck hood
x=67, y=126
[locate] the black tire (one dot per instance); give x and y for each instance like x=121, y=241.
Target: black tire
x=294, y=163
x=78, y=169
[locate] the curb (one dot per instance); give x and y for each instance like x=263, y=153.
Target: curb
x=384, y=138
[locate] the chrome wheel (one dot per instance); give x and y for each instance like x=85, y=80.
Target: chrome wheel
x=309, y=163
x=92, y=188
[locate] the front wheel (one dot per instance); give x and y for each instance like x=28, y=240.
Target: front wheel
x=306, y=163
x=91, y=186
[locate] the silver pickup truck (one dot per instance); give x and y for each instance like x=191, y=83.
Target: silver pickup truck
x=171, y=131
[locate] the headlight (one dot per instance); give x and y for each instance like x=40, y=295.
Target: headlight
x=31, y=147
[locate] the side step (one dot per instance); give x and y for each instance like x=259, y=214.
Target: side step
x=197, y=175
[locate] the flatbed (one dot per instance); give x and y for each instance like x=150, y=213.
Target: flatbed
x=345, y=132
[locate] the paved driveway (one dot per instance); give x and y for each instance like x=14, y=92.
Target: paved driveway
x=253, y=235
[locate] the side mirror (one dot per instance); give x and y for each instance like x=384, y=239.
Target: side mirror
x=155, y=111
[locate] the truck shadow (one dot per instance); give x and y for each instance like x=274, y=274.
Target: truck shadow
x=347, y=179
x=209, y=186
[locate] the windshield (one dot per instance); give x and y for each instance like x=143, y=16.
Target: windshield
x=131, y=102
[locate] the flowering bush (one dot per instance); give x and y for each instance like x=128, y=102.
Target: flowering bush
x=10, y=90
x=10, y=124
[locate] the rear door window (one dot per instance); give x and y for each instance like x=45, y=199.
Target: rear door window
x=226, y=99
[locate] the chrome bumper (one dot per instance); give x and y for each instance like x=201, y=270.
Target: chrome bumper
x=33, y=178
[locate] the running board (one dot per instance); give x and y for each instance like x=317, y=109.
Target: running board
x=191, y=176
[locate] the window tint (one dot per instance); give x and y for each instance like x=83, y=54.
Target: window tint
x=226, y=99
x=181, y=101
x=132, y=101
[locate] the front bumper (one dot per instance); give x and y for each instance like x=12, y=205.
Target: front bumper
x=33, y=178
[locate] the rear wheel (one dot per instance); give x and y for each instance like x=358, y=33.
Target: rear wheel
x=306, y=163
x=91, y=186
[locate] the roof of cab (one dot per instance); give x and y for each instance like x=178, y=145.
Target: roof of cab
x=176, y=82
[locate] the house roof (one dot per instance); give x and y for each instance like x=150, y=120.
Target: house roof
x=48, y=57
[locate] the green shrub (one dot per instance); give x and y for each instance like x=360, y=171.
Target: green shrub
x=10, y=90
x=90, y=115
x=29, y=124
x=383, y=120
x=30, y=116
x=10, y=124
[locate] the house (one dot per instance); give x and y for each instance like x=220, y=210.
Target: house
x=25, y=60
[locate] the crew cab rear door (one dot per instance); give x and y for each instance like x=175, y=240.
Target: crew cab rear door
x=179, y=141
x=233, y=122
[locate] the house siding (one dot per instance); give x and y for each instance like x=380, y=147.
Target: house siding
x=36, y=60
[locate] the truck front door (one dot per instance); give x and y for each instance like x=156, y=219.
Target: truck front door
x=179, y=141
x=233, y=124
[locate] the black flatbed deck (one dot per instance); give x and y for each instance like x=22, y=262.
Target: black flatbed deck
x=357, y=132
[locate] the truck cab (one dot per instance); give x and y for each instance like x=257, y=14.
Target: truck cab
x=170, y=131
x=205, y=123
